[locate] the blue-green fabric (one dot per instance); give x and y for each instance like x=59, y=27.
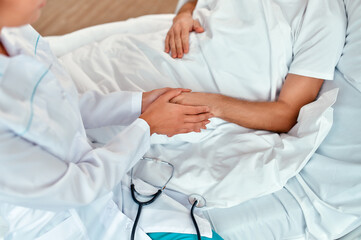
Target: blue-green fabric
x=179, y=236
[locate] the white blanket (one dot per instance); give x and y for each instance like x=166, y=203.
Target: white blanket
x=244, y=53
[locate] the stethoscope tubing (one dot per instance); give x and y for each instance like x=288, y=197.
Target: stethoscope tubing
x=153, y=198
x=140, y=206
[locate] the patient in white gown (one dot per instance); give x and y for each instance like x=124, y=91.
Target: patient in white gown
x=254, y=63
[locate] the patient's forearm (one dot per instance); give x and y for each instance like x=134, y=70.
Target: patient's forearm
x=278, y=116
x=188, y=7
x=271, y=116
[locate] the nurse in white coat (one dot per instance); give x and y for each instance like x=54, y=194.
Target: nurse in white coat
x=46, y=160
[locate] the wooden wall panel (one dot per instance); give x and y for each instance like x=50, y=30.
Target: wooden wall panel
x=64, y=16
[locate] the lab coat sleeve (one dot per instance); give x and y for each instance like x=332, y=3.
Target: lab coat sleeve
x=32, y=177
x=117, y=108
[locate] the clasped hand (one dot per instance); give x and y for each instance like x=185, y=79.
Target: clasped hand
x=169, y=118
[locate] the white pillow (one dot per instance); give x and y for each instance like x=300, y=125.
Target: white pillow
x=350, y=62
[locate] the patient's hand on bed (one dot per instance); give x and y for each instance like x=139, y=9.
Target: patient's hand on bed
x=177, y=40
x=164, y=117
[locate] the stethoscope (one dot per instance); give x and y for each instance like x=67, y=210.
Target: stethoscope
x=194, y=199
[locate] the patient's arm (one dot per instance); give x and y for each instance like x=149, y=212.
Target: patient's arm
x=278, y=116
x=177, y=40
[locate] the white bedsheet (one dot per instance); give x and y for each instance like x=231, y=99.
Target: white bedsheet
x=227, y=164
x=327, y=205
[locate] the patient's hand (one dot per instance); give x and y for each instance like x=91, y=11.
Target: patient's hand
x=177, y=40
x=200, y=99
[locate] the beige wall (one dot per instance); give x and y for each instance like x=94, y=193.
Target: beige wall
x=64, y=16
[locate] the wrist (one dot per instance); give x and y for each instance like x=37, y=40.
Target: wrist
x=215, y=105
x=145, y=118
x=182, y=15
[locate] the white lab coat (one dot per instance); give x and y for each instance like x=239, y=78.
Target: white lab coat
x=48, y=163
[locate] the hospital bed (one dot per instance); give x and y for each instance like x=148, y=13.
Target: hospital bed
x=279, y=215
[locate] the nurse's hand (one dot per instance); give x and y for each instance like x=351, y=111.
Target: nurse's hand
x=170, y=119
x=149, y=97
x=177, y=40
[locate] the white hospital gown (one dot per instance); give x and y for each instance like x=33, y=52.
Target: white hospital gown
x=47, y=161
x=246, y=51
x=317, y=34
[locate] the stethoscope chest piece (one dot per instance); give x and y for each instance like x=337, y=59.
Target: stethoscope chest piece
x=201, y=201
x=197, y=201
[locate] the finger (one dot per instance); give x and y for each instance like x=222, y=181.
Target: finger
x=185, y=89
x=184, y=130
x=204, y=124
x=167, y=43
x=178, y=43
x=177, y=98
x=197, y=27
x=193, y=127
x=170, y=94
x=197, y=118
x=185, y=40
x=180, y=89
x=172, y=45
x=174, y=100
x=192, y=110
x=161, y=91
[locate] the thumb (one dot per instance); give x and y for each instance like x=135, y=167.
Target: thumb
x=170, y=94
x=197, y=26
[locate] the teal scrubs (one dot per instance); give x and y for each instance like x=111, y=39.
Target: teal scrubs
x=179, y=236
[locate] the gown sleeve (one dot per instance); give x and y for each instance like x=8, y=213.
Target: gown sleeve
x=319, y=41
x=32, y=177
